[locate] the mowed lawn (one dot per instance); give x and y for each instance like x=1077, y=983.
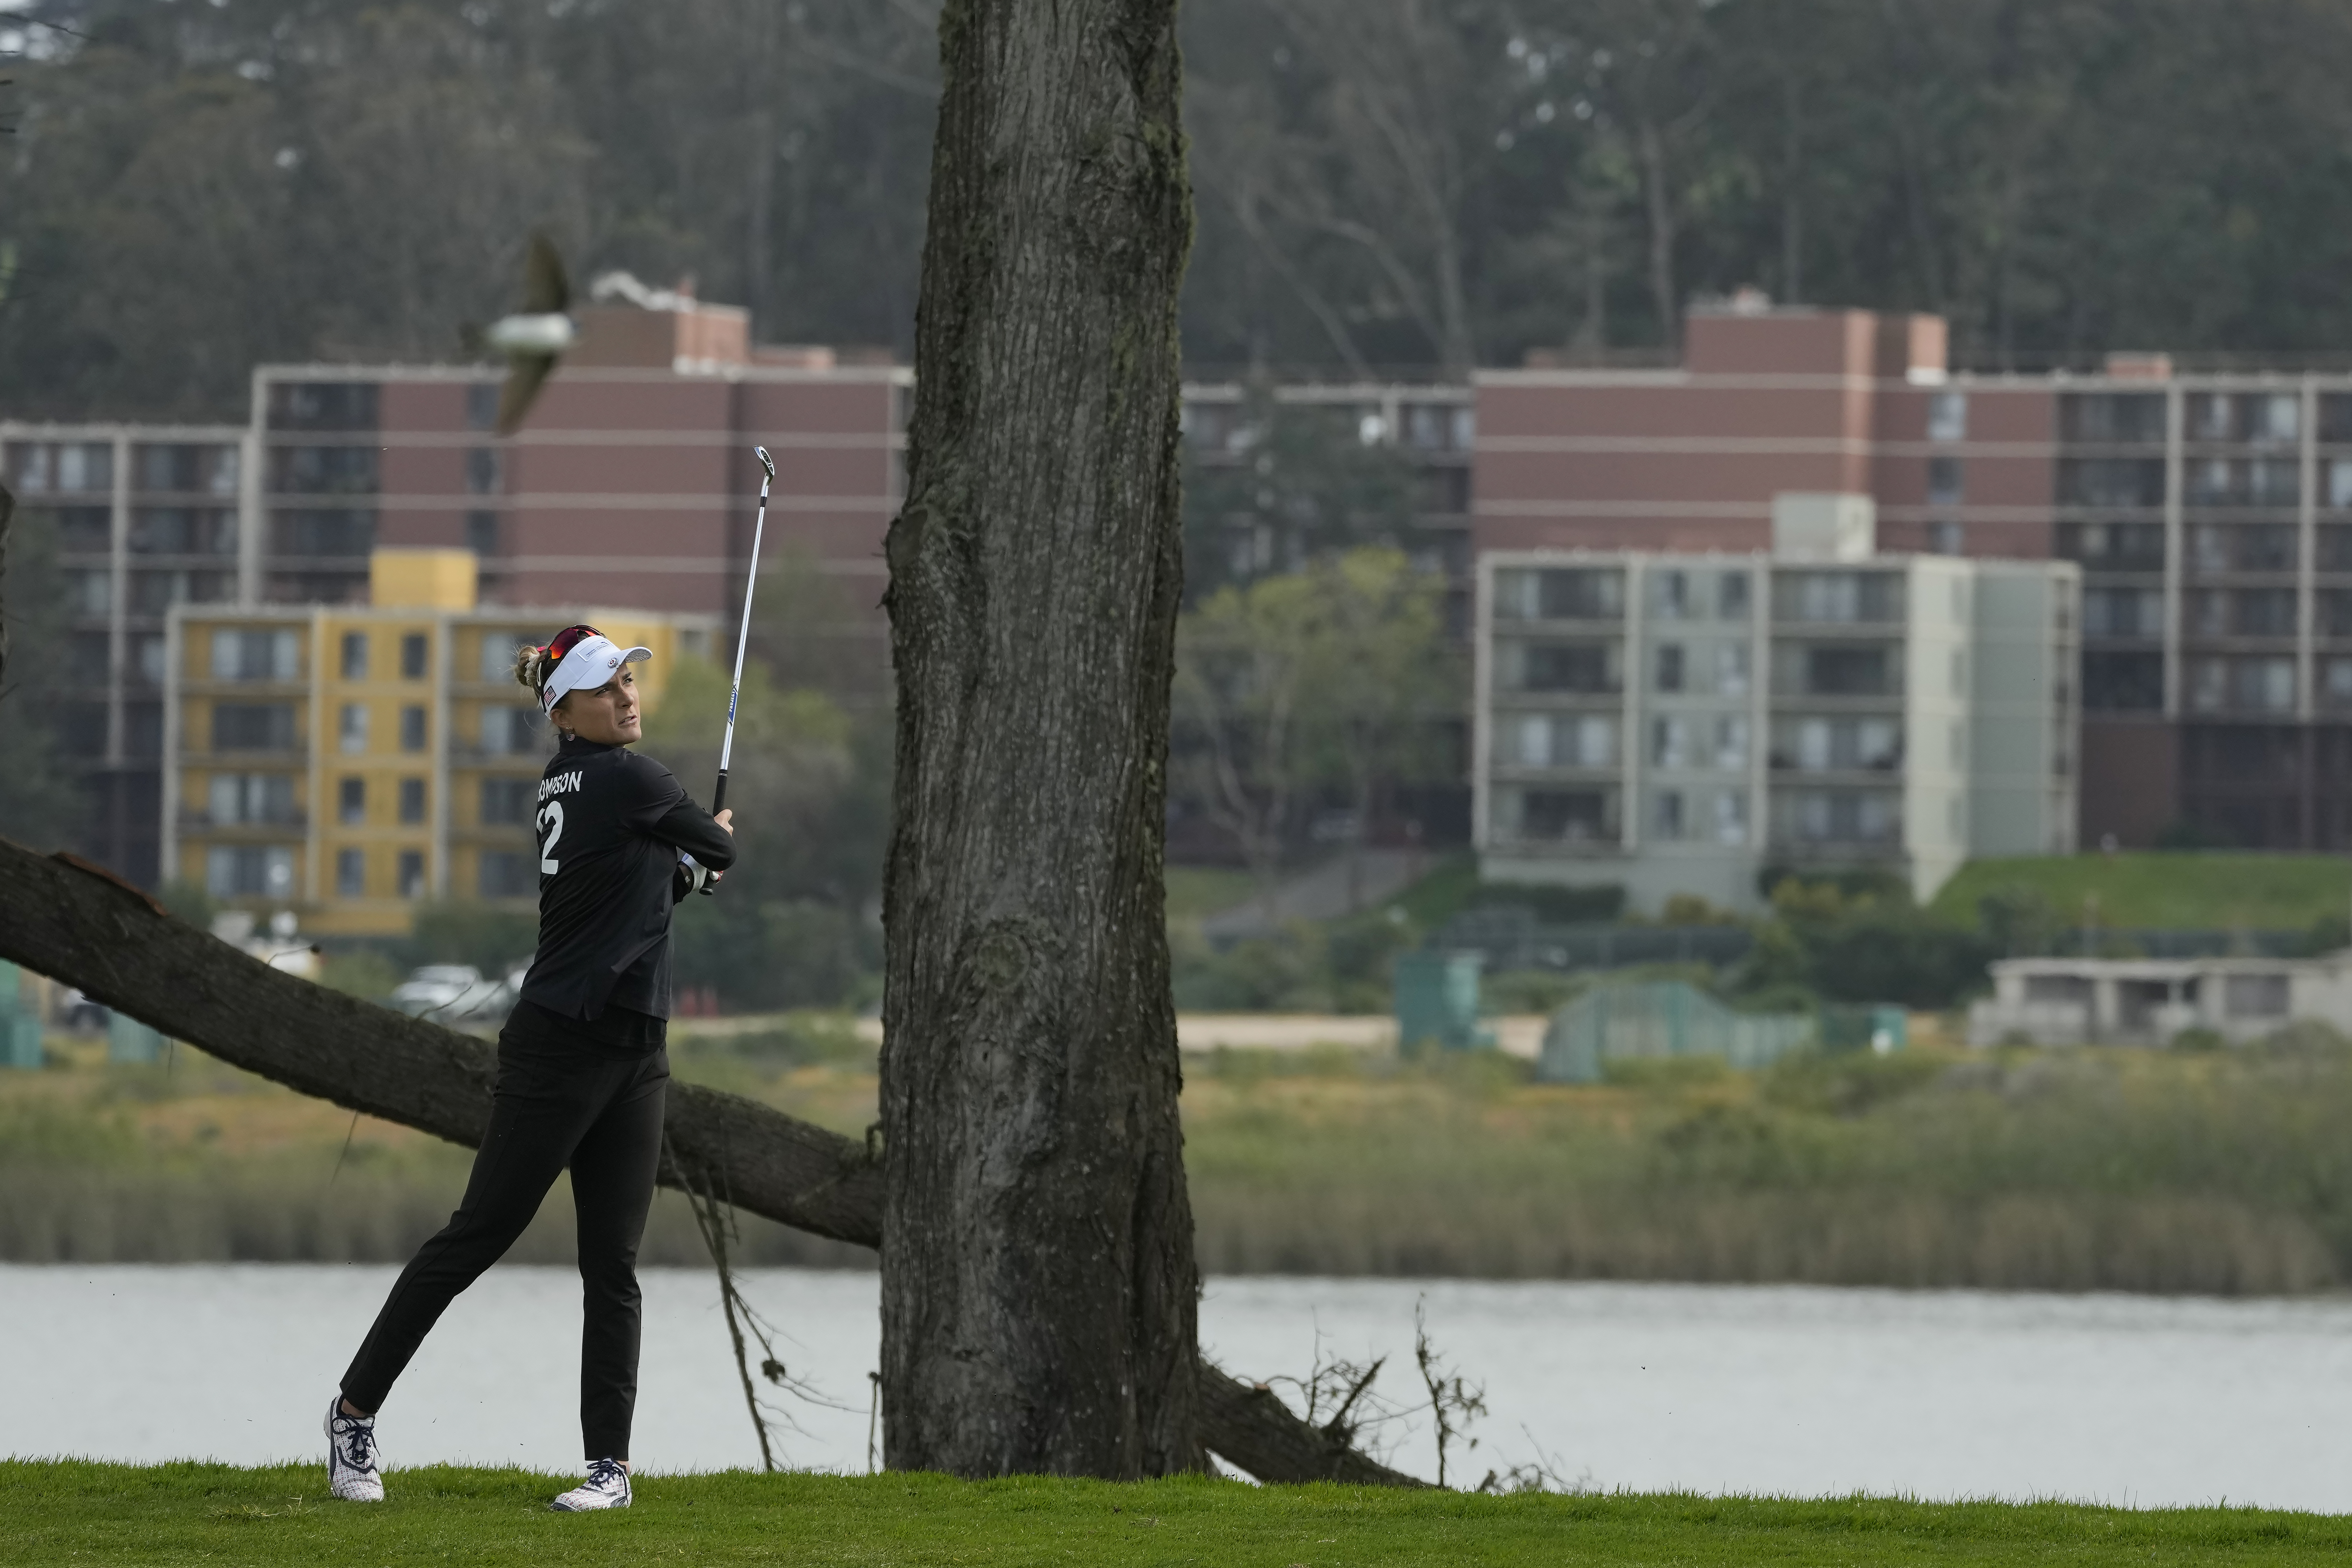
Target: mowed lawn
x=86, y=1513
x=2200, y=890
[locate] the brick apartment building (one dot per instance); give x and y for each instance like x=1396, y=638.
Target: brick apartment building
x=632, y=485
x=2210, y=514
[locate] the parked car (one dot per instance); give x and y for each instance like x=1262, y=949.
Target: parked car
x=446, y=993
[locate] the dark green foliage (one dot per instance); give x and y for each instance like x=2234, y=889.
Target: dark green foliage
x=200, y=187
x=41, y=804
x=1861, y=941
x=1281, y=484
x=761, y=955
x=1555, y=906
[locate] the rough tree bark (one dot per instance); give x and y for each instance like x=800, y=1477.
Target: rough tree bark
x=78, y=924
x=1038, y=1285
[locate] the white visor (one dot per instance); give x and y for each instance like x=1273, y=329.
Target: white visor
x=591, y=663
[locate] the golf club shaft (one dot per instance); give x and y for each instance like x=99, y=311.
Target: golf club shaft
x=742, y=634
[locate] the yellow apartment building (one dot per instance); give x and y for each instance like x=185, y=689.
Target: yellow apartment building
x=346, y=761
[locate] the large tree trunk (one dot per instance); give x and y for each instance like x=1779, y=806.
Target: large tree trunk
x=74, y=922
x=1038, y=1287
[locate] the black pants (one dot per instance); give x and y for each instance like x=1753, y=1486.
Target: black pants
x=556, y=1104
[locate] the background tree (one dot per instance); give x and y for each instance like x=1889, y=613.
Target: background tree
x=1336, y=675
x=40, y=805
x=1283, y=483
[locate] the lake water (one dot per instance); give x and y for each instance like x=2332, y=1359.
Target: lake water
x=1716, y=1389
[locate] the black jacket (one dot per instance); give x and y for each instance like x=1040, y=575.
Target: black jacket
x=610, y=825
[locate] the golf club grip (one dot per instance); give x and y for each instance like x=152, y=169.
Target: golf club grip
x=717, y=804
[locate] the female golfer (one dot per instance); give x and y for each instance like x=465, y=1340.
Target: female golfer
x=582, y=1068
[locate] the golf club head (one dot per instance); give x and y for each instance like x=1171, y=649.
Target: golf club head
x=765, y=461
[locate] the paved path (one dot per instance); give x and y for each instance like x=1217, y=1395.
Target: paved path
x=1341, y=886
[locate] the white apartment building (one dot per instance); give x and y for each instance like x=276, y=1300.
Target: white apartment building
x=1680, y=723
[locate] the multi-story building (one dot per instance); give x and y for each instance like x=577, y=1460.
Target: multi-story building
x=145, y=517
x=347, y=760
x=1687, y=723
x=632, y=484
x=2210, y=514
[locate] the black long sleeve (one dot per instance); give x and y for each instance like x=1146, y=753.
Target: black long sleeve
x=688, y=826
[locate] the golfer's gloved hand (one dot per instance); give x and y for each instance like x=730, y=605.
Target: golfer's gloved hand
x=693, y=876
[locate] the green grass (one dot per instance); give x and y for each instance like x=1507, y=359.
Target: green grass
x=2200, y=891
x=1441, y=894
x=58, y=1512
x=1197, y=892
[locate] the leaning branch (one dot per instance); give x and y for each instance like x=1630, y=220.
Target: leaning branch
x=78, y=923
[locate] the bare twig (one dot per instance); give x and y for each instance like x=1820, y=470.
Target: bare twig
x=1454, y=1403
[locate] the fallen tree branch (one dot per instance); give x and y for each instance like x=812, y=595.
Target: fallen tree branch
x=80, y=924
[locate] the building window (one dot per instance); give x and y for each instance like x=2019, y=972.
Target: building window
x=505, y=875
x=1948, y=417
x=1568, y=667
x=1731, y=743
x=253, y=727
x=1846, y=817
x=481, y=405
x=506, y=731
x=1574, y=817
x=323, y=471
x=41, y=466
x=350, y=801
x=352, y=730
x=2339, y=483
x=1669, y=815
x=499, y=650
x=1731, y=668
x=1731, y=817
x=236, y=798
x=2338, y=674
x=350, y=874
x=411, y=729
x=411, y=800
x=1944, y=488
x=355, y=655
x=482, y=470
x=412, y=657
x=323, y=406
x=1670, y=667
x=2111, y=482
x=2274, y=416
x=1558, y=595
x=1673, y=595
x=1669, y=743
x=482, y=533
x=2265, y=685
x=411, y=873
x=315, y=534
x=1946, y=538
x=2254, y=996
x=249, y=870
x=255, y=656
x=1731, y=596
x=2208, y=684
x=511, y=800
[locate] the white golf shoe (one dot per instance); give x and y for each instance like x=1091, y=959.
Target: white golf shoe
x=608, y=1486
x=352, y=1457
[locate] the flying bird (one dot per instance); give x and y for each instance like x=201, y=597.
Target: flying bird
x=534, y=339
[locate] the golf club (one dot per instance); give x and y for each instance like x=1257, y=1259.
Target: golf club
x=742, y=635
